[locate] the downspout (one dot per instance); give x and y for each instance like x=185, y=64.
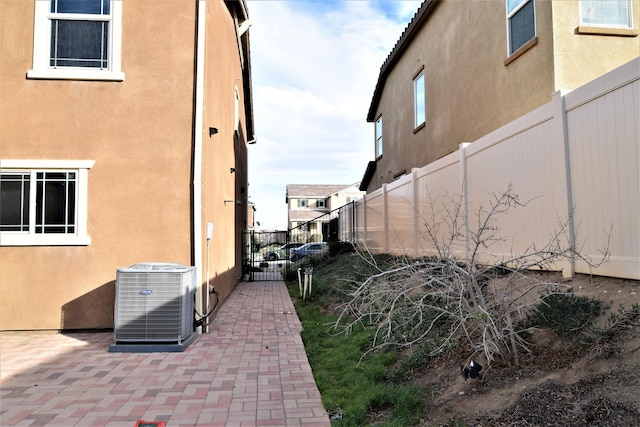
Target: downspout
x=197, y=155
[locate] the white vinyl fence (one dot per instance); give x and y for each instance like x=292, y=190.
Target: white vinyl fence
x=573, y=162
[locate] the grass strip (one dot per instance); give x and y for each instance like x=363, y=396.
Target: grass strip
x=355, y=392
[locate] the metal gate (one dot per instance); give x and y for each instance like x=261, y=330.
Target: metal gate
x=265, y=256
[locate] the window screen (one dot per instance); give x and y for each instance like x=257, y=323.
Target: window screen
x=80, y=33
x=521, y=23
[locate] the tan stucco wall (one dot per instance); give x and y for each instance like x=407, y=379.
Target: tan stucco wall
x=224, y=151
x=470, y=89
x=140, y=134
x=581, y=58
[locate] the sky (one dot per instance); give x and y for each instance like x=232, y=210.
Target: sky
x=315, y=64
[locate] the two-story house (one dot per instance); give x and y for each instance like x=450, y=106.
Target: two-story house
x=306, y=202
x=124, y=127
x=463, y=69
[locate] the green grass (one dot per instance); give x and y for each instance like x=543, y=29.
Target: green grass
x=373, y=390
x=378, y=389
x=350, y=388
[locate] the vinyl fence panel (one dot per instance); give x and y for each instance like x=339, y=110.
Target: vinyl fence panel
x=573, y=163
x=439, y=193
x=526, y=157
x=604, y=148
x=401, y=213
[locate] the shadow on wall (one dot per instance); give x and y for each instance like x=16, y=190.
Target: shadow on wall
x=93, y=310
x=225, y=283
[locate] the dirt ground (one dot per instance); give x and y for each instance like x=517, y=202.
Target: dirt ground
x=559, y=383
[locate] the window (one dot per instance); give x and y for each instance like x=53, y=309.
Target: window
x=379, y=137
x=43, y=202
x=302, y=203
x=77, y=39
x=419, y=95
x=606, y=13
x=321, y=203
x=521, y=23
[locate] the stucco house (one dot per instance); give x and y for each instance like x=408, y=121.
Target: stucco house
x=123, y=139
x=463, y=69
x=306, y=202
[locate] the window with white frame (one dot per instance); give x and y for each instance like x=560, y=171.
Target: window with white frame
x=43, y=202
x=606, y=13
x=77, y=39
x=521, y=23
x=302, y=203
x=321, y=203
x=378, y=132
x=419, y=100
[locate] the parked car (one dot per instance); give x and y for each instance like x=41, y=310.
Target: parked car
x=308, y=249
x=280, y=253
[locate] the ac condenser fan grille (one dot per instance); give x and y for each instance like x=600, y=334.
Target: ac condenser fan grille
x=154, y=303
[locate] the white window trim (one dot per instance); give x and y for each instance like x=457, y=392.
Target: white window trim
x=378, y=138
x=629, y=25
x=416, y=97
x=80, y=237
x=41, y=46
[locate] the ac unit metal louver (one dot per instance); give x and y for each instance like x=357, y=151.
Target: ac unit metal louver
x=154, y=304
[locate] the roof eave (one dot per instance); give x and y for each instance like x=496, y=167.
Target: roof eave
x=405, y=39
x=368, y=174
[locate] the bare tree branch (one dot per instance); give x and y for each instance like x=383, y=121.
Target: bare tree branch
x=447, y=300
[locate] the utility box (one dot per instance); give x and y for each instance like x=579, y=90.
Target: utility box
x=154, y=307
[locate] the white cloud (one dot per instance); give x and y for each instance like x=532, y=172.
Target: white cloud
x=314, y=68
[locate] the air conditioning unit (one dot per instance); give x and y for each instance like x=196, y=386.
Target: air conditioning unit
x=154, y=307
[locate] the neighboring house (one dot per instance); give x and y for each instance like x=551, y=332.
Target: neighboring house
x=463, y=69
x=308, y=202
x=124, y=128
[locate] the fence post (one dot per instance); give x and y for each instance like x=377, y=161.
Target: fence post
x=385, y=218
x=414, y=194
x=363, y=233
x=560, y=118
x=465, y=196
x=354, y=223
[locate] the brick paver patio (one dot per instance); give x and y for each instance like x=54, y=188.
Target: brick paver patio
x=250, y=370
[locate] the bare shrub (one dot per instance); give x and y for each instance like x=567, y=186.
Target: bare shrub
x=446, y=299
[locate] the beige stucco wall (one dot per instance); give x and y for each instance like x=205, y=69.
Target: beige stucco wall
x=140, y=134
x=224, y=194
x=581, y=57
x=462, y=49
x=470, y=89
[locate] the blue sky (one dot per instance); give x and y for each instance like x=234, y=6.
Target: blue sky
x=315, y=64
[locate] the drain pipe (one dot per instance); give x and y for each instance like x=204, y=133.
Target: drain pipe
x=207, y=304
x=197, y=156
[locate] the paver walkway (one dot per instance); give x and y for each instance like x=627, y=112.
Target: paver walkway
x=250, y=370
